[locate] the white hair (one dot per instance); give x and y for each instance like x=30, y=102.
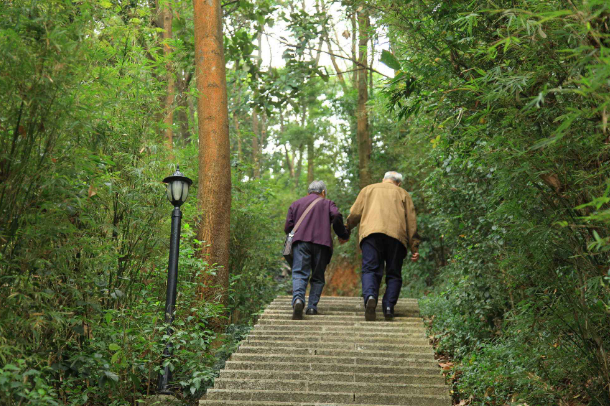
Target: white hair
x=394, y=176
x=317, y=186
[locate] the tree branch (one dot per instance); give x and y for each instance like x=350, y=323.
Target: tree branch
x=358, y=63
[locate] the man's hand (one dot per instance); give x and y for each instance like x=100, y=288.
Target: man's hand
x=415, y=257
x=342, y=241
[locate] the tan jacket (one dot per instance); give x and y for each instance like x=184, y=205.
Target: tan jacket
x=388, y=209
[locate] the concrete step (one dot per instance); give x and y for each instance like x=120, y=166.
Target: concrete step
x=329, y=387
x=358, y=304
x=341, y=345
x=341, y=338
x=333, y=358
x=363, y=327
x=359, y=321
x=334, y=377
x=250, y=403
x=342, y=305
x=245, y=349
x=269, y=403
x=345, y=331
x=287, y=310
x=302, y=335
x=331, y=367
x=380, y=322
x=337, y=316
x=350, y=299
x=307, y=359
x=327, y=398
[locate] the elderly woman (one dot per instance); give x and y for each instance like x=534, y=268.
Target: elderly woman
x=312, y=245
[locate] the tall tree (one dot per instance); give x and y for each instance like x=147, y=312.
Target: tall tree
x=256, y=122
x=168, y=104
x=352, y=18
x=363, y=133
x=214, y=192
x=310, y=146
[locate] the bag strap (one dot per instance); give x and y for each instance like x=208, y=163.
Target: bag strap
x=307, y=210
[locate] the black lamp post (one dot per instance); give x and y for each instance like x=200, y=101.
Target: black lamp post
x=177, y=192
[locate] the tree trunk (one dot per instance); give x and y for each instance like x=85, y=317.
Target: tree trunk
x=310, y=160
x=354, y=54
x=256, y=173
x=168, y=104
x=256, y=128
x=297, y=174
x=237, y=135
x=236, y=114
x=335, y=64
x=214, y=192
x=183, y=108
x=289, y=162
x=364, y=139
x=371, y=64
x=289, y=159
x=192, y=121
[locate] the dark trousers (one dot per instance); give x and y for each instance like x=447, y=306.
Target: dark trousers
x=379, y=250
x=309, y=259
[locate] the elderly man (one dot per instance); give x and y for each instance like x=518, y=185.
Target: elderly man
x=312, y=245
x=388, y=226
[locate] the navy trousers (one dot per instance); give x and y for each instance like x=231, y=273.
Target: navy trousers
x=309, y=259
x=379, y=250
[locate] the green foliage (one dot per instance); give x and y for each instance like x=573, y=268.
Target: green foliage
x=511, y=102
x=85, y=226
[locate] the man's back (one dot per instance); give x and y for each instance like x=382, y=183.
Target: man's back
x=387, y=209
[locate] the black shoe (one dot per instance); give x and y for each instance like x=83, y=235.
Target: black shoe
x=388, y=313
x=369, y=311
x=297, y=310
x=311, y=312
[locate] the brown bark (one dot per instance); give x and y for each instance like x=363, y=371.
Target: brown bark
x=289, y=162
x=256, y=173
x=263, y=139
x=320, y=41
x=371, y=64
x=183, y=107
x=192, y=122
x=214, y=192
x=297, y=175
x=289, y=159
x=168, y=104
x=256, y=128
x=236, y=104
x=310, y=160
x=363, y=135
x=333, y=59
x=354, y=54
x=237, y=134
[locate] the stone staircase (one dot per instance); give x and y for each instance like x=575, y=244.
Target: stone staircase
x=333, y=358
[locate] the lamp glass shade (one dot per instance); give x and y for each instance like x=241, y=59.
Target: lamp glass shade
x=177, y=191
x=185, y=191
x=169, y=192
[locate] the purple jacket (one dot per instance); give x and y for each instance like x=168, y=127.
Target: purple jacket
x=315, y=227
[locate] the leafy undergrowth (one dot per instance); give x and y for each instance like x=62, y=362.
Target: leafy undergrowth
x=512, y=365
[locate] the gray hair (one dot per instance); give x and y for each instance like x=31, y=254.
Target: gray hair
x=394, y=176
x=317, y=187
